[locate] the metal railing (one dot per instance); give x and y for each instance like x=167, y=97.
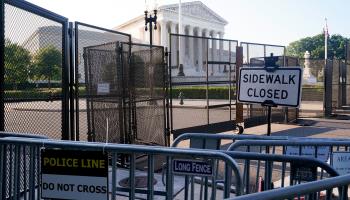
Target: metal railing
x=214, y=141
x=273, y=169
x=280, y=147
x=318, y=148
x=306, y=189
x=266, y=168
x=20, y=166
x=22, y=135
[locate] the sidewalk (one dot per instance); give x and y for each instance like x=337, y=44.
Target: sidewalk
x=311, y=127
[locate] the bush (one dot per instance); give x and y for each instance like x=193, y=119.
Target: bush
x=200, y=92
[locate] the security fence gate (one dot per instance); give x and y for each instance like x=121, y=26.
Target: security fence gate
x=97, y=62
x=146, y=91
x=202, y=84
x=34, y=70
x=122, y=88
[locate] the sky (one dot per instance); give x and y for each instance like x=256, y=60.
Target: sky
x=263, y=21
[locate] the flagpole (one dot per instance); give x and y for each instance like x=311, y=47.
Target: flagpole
x=326, y=40
x=180, y=30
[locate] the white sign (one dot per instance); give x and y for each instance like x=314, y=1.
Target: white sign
x=103, y=88
x=193, y=167
x=282, y=86
x=341, y=162
x=309, y=151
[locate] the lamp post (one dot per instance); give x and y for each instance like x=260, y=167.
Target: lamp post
x=149, y=19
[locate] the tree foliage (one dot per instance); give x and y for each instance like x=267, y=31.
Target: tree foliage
x=315, y=45
x=17, y=63
x=47, y=64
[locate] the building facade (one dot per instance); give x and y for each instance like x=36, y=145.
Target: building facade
x=191, y=52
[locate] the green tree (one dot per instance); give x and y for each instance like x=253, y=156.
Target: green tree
x=17, y=63
x=315, y=45
x=47, y=64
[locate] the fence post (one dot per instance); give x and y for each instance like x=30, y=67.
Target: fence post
x=342, y=84
x=327, y=99
x=65, y=82
x=72, y=97
x=2, y=65
x=239, y=64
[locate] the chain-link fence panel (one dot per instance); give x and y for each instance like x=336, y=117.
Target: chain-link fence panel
x=35, y=71
x=202, y=83
x=146, y=82
x=103, y=78
x=336, y=84
x=88, y=36
x=346, y=79
x=312, y=88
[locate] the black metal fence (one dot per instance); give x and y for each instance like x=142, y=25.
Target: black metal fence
x=34, y=79
x=202, y=84
x=78, y=81
x=50, y=86
x=253, y=56
x=146, y=90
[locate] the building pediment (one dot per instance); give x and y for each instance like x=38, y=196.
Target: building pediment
x=196, y=9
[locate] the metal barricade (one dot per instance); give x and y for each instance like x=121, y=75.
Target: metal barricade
x=280, y=147
x=305, y=190
x=319, y=148
x=215, y=141
x=266, y=165
x=22, y=135
x=21, y=179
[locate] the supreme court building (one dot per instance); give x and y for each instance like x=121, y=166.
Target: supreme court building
x=197, y=20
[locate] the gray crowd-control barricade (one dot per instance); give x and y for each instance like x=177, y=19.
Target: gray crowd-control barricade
x=217, y=141
x=265, y=172
x=327, y=188
x=256, y=168
x=22, y=135
x=318, y=148
x=20, y=168
x=214, y=142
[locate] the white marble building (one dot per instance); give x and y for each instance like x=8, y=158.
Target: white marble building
x=197, y=20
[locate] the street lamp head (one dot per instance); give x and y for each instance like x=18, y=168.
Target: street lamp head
x=155, y=19
x=146, y=20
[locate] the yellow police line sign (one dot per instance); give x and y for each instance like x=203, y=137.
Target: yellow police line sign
x=74, y=174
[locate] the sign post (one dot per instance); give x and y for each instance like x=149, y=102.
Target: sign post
x=270, y=86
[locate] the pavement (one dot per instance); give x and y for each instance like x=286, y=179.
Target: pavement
x=307, y=127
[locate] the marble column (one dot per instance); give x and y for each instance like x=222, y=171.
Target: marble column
x=182, y=46
x=174, y=45
x=221, y=51
x=199, y=49
x=206, y=50
x=214, y=53
x=164, y=34
x=191, y=46
x=159, y=35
